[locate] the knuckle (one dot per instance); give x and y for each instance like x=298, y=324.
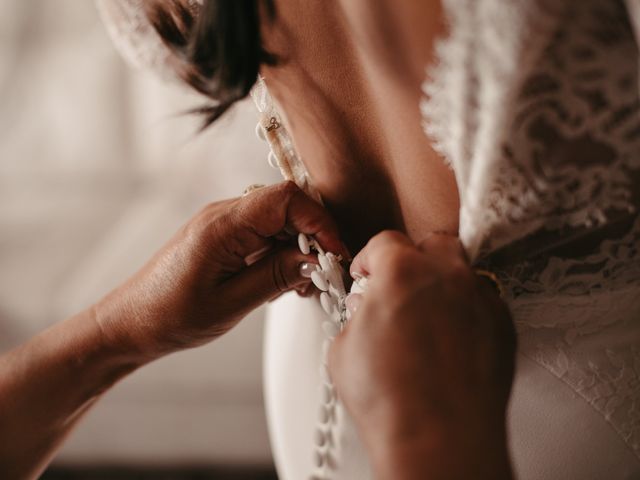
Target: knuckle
x=397, y=263
x=315, y=222
x=388, y=237
x=202, y=223
x=268, y=199
x=210, y=211
x=461, y=275
x=287, y=188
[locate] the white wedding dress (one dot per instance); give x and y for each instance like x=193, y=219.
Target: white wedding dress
x=536, y=105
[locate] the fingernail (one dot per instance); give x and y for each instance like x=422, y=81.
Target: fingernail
x=352, y=302
x=306, y=269
x=356, y=275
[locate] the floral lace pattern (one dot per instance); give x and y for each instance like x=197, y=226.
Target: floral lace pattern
x=134, y=37
x=550, y=181
x=535, y=104
x=574, y=146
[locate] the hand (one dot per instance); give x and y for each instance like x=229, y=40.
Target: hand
x=426, y=363
x=230, y=258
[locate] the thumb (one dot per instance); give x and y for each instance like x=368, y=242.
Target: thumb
x=264, y=280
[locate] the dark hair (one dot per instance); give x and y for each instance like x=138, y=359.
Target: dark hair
x=217, y=48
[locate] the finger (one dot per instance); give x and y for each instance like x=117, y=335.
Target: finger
x=260, y=254
x=268, y=211
x=388, y=239
x=442, y=245
x=353, y=302
x=271, y=276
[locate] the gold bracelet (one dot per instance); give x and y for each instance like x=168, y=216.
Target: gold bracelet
x=493, y=278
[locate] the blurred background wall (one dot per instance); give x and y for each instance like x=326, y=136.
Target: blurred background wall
x=98, y=168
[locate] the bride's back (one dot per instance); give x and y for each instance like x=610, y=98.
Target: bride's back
x=546, y=116
x=352, y=103
x=537, y=111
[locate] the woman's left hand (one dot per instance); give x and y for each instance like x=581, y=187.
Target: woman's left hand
x=426, y=363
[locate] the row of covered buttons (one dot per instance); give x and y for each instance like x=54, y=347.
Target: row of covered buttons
x=271, y=158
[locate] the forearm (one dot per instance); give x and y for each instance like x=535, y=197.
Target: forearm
x=46, y=384
x=196, y=288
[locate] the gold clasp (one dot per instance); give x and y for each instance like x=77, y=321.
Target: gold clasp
x=273, y=124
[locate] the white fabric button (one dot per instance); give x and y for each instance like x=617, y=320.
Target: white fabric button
x=326, y=345
x=334, y=277
x=328, y=303
x=324, y=374
x=319, y=437
x=303, y=244
x=319, y=281
x=318, y=459
x=273, y=160
x=260, y=132
x=324, y=262
x=316, y=245
x=330, y=461
x=326, y=394
x=333, y=415
x=323, y=414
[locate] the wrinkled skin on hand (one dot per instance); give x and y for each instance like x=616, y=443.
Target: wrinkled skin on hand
x=229, y=259
x=428, y=356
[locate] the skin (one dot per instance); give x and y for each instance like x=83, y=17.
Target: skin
x=192, y=291
x=438, y=398
x=434, y=406
x=348, y=81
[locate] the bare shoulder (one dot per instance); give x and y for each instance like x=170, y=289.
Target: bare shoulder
x=397, y=35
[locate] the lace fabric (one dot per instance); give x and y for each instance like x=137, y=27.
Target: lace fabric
x=536, y=106
x=134, y=36
x=579, y=318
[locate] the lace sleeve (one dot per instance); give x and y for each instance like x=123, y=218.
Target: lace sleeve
x=470, y=96
x=536, y=106
x=134, y=36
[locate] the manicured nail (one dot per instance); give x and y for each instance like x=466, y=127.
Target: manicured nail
x=352, y=302
x=306, y=269
x=356, y=275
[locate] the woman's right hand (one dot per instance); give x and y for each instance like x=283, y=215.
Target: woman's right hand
x=426, y=363
x=229, y=259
